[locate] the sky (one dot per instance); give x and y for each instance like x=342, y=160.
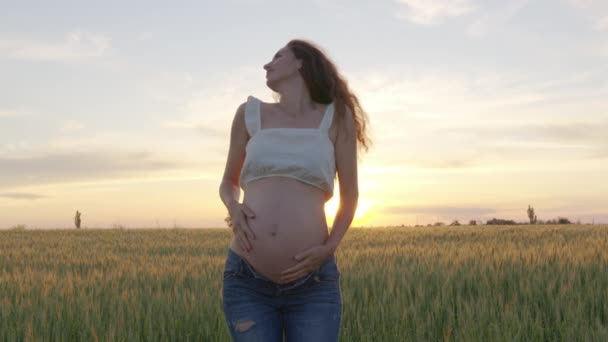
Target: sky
x=122, y=109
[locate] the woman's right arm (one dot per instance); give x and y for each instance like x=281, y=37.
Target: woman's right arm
x=229, y=188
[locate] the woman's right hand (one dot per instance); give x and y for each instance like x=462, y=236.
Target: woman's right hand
x=240, y=213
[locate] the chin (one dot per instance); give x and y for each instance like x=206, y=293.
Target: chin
x=272, y=84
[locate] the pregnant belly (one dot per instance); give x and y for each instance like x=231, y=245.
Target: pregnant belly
x=290, y=218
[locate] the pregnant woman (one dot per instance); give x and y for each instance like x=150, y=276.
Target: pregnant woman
x=280, y=277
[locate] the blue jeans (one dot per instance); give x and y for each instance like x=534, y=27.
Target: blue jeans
x=258, y=309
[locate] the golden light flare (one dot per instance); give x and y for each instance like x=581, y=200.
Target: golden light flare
x=362, y=214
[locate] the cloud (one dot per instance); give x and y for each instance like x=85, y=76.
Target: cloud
x=16, y=113
x=75, y=46
x=144, y=35
x=208, y=108
x=596, y=10
x=574, y=140
x=22, y=195
x=91, y=165
x=71, y=126
x=539, y=131
x=444, y=211
x=602, y=23
x=436, y=98
x=203, y=129
x=491, y=19
x=334, y=6
x=432, y=12
x=478, y=119
x=482, y=145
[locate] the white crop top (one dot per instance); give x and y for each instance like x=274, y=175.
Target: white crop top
x=305, y=154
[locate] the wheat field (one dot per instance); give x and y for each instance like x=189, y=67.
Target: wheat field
x=464, y=283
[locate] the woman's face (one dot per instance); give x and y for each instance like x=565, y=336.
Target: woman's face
x=282, y=66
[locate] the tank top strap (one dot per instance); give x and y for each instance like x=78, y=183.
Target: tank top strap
x=252, y=115
x=327, y=118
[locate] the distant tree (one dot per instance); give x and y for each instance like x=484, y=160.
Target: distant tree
x=501, y=221
x=472, y=223
x=558, y=220
x=437, y=224
x=455, y=223
x=77, y=219
x=531, y=215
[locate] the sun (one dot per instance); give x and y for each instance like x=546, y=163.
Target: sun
x=362, y=215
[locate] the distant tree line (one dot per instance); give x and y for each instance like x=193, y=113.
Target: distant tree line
x=498, y=221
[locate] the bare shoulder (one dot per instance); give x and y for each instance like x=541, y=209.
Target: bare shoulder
x=343, y=129
x=238, y=123
x=348, y=129
x=238, y=143
x=262, y=102
x=267, y=106
x=240, y=111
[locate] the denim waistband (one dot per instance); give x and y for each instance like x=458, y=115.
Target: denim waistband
x=292, y=284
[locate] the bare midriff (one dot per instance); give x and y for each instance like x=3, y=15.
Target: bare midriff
x=289, y=218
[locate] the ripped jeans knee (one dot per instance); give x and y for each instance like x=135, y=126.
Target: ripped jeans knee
x=243, y=325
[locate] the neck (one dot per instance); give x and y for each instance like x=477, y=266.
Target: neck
x=295, y=99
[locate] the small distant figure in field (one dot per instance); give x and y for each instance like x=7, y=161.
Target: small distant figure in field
x=531, y=215
x=77, y=219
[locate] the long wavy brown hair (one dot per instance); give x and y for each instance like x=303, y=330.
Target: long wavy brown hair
x=325, y=84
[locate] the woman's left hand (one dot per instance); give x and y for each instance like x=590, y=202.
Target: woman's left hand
x=309, y=260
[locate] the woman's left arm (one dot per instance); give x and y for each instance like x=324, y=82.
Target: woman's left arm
x=346, y=167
